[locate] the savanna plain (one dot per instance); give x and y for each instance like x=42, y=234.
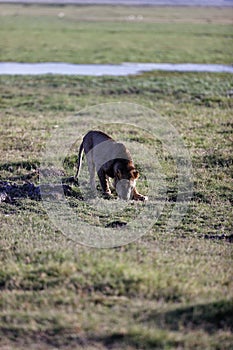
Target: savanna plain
x=168, y=289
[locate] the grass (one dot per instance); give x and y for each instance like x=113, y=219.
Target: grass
x=105, y=35
x=167, y=290
x=164, y=291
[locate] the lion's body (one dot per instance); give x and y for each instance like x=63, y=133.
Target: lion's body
x=110, y=159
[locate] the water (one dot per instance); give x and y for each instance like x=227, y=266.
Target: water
x=219, y=3
x=124, y=69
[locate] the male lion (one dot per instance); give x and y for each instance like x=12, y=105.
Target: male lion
x=110, y=159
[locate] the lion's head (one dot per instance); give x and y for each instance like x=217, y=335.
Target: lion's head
x=125, y=182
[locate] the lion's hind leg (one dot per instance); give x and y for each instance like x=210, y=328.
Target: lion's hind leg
x=91, y=169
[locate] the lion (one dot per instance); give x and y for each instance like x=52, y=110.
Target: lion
x=110, y=159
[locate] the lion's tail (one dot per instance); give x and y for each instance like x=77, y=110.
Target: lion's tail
x=79, y=162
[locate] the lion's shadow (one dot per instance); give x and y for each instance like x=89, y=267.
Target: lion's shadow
x=10, y=192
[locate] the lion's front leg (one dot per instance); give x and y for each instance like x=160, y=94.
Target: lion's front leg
x=104, y=182
x=138, y=197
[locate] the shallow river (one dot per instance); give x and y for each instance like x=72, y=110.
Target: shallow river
x=129, y=2
x=124, y=69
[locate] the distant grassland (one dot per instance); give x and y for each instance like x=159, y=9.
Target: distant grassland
x=115, y=34
x=168, y=290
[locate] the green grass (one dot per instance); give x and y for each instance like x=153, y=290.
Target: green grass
x=101, y=35
x=167, y=290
